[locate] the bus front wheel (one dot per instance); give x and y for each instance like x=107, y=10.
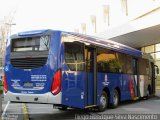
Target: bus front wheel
x=103, y=102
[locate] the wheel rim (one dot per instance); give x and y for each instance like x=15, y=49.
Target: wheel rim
x=115, y=97
x=103, y=101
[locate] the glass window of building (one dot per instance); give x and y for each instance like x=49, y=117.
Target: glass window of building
x=143, y=49
x=157, y=47
x=157, y=50
x=149, y=49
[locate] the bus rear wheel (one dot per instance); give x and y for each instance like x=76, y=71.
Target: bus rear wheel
x=103, y=102
x=115, y=99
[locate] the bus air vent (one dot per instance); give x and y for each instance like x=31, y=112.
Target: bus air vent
x=28, y=63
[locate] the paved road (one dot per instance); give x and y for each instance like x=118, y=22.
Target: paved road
x=46, y=112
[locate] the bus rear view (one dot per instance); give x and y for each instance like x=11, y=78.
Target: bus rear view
x=31, y=68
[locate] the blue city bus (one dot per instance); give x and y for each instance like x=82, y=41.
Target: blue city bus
x=69, y=69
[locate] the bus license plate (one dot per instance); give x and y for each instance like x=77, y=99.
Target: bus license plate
x=28, y=84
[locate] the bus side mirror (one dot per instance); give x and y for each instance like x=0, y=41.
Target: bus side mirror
x=157, y=69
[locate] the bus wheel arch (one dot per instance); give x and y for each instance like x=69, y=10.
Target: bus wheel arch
x=116, y=97
x=104, y=100
x=106, y=89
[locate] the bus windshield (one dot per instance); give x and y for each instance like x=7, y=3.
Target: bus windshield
x=38, y=43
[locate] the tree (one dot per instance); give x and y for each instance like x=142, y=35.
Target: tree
x=5, y=30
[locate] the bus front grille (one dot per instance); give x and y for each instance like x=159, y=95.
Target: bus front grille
x=28, y=63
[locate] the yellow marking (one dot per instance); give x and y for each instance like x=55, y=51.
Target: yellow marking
x=90, y=106
x=24, y=109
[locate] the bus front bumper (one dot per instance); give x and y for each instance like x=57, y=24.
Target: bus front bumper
x=34, y=98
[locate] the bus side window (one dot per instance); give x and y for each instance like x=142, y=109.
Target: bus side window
x=122, y=60
x=107, y=61
x=129, y=69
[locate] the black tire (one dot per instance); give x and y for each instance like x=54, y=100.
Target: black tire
x=63, y=108
x=103, y=102
x=148, y=93
x=115, y=98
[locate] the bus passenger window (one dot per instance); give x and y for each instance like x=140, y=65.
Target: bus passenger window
x=107, y=61
x=129, y=69
x=74, y=55
x=122, y=60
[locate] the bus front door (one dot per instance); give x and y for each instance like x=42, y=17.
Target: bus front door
x=91, y=77
x=135, y=78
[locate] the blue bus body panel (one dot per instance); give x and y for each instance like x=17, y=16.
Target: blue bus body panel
x=32, y=33
x=73, y=89
x=90, y=89
x=40, y=77
x=18, y=77
x=111, y=81
x=125, y=90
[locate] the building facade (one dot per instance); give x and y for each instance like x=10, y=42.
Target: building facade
x=154, y=51
x=127, y=22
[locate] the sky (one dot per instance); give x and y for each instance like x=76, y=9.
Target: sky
x=40, y=14
x=67, y=15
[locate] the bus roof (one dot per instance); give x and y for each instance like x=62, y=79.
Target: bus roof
x=109, y=44
x=91, y=40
